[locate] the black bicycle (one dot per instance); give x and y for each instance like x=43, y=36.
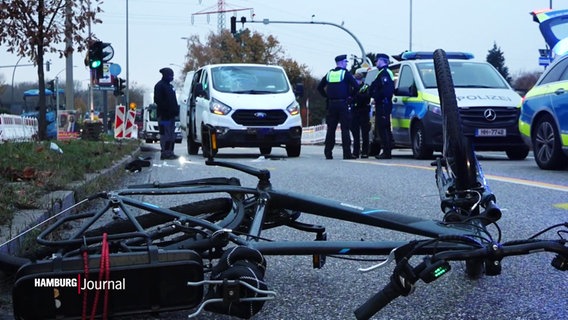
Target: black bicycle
x=209, y=254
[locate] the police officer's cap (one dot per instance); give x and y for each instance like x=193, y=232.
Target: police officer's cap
x=383, y=56
x=167, y=71
x=341, y=58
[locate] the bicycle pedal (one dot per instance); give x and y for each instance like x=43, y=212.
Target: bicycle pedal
x=559, y=262
x=318, y=260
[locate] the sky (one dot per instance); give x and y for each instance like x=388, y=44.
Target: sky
x=156, y=29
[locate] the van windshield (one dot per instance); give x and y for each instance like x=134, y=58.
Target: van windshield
x=465, y=74
x=249, y=79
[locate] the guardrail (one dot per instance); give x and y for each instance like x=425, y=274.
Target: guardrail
x=316, y=134
x=17, y=128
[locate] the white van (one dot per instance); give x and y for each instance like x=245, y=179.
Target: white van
x=249, y=105
x=150, y=131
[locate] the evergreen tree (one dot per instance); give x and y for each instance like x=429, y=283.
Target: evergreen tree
x=497, y=59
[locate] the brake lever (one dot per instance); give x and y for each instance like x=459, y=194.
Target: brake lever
x=388, y=260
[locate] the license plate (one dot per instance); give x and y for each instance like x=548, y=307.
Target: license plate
x=259, y=131
x=492, y=132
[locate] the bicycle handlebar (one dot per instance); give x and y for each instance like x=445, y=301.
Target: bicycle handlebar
x=404, y=276
x=378, y=301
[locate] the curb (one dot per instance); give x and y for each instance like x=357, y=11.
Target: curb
x=12, y=237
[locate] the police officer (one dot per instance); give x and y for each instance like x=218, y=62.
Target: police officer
x=381, y=90
x=360, y=123
x=337, y=87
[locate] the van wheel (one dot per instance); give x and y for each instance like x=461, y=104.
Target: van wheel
x=192, y=146
x=547, y=147
x=517, y=154
x=293, y=150
x=265, y=150
x=419, y=148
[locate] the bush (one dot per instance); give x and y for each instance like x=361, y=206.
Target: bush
x=28, y=170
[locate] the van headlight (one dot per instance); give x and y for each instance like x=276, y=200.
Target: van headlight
x=294, y=108
x=434, y=108
x=217, y=107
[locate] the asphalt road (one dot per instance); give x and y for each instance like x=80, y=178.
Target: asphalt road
x=531, y=199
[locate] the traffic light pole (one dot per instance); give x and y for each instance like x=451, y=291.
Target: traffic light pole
x=91, y=71
x=363, y=54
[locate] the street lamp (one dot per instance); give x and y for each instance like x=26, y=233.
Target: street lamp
x=57, y=87
x=410, y=28
x=13, y=73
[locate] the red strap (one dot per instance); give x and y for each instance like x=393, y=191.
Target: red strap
x=106, y=257
x=86, y=272
x=104, y=274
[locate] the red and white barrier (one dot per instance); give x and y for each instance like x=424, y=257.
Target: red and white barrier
x=17, y=128
x=124, y=126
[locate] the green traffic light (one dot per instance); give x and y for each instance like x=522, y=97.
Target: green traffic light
x=95, y=64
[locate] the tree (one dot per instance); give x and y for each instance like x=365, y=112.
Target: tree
x=524, y=81
x=33, y=28
x=497, y=59
x=247, y=47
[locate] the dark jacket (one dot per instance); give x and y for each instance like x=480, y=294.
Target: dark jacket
x=165, y=99
x=382, y=88
x=343, y=89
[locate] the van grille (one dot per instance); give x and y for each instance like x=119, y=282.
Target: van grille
x=259, y=117
x=475, y=117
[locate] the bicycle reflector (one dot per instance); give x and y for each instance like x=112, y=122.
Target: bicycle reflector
x=434, y=270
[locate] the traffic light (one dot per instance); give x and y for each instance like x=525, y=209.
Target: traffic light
x=99, y=52
x=233, y=24
x=95, y=55
x=119, y=86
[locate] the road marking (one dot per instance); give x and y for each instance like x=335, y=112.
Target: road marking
x=561, y=206
x=525, y=182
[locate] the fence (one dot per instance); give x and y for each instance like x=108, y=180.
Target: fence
x=17, y=128
x=316, y=134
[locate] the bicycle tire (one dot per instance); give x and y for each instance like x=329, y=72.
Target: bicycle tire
x=457, y=149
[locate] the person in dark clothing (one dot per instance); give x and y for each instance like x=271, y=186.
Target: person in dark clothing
x=382, y=90
x=167, y=111
x=360, y=124
x=338, y=87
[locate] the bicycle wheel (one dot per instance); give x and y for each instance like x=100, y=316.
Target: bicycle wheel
x=458, y=151
x=210, y=210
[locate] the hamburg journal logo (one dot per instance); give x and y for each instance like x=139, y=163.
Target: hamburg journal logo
x=81, y=283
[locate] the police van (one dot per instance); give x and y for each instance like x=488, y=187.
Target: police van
x=489, y=107
x=249, y=105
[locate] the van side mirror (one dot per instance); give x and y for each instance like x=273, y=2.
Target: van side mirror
x=199, y=92
x=412, y=91
x=406, y=91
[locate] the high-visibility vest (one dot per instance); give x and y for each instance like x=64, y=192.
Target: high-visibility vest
x=335, y=76
x=388, y=71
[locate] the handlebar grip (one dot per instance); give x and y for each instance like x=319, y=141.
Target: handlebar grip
x=390, y=292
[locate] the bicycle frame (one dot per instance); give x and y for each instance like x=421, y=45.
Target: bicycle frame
x=276, y=200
